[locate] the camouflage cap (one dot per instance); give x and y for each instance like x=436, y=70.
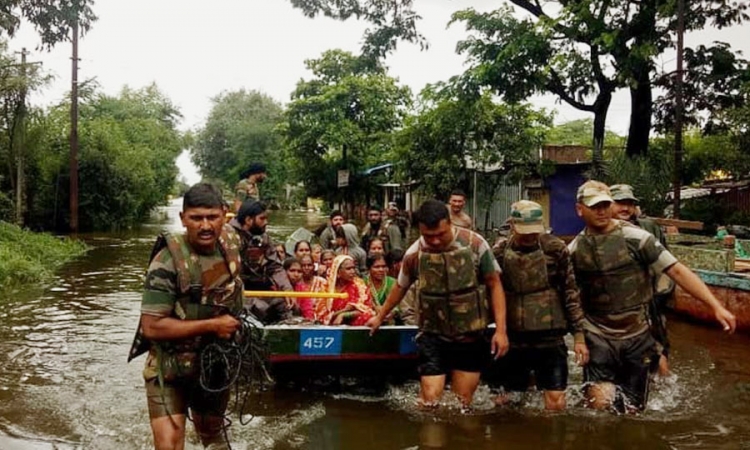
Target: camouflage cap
x=527, y=217
x=622, y=192
x=592, y=192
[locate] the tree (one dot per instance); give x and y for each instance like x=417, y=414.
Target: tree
x=342, y=119
x=579, y=132
x=582, y=42
x=394, y=20
x=451, y=135
x=128, y=147
x=53, y=19
x=240, y=130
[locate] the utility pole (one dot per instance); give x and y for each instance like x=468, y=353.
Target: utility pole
x=74, y=134
x=19, y=140
x=679, y=109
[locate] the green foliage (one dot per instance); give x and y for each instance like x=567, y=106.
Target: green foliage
x=31, y=258
x=342, y=118
x=52, y=19
x=393, y=21
x=239, y=131
x=451, y=134
x=127, y=152
x=650, y=176
x=579, y=132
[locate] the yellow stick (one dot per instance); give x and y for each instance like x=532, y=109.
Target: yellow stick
x=294, y=294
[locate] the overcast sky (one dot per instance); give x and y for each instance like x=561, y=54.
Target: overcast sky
x=194, y=50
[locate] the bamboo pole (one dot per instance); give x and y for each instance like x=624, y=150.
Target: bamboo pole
x=294, y=294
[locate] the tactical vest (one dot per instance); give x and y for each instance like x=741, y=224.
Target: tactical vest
x=532, y=304
x=193, y=302
x=451, y=301
x=610, y=279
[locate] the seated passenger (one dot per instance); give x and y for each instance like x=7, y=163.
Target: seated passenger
x=326, y=261
x=379, y=282
x=309, y=282
x=375, y=246
x=357, y=307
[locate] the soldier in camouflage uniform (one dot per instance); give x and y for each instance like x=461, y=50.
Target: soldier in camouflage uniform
x=614, y=262
x=543, y=304
x=191, y=294
x=625, y=207
x=261, y=268
x=387, y=231
x=455, y=271
x=247, y=188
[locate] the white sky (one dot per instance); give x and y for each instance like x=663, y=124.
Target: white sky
x=194, y=50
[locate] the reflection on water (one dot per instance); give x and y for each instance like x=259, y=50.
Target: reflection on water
x=65, y=384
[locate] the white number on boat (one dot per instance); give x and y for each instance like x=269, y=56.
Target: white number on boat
x=318, y=342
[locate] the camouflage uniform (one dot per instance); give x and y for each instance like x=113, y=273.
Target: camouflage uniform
x=246, y=189
x=614, y=273
x=453, y=306
x=263, y=274
x=388, y=232
x=183, y=284
x=542, y=304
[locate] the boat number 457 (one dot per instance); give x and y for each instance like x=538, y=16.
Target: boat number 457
x=318, y=342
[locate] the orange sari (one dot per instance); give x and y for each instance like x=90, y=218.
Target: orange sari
x=358, y=295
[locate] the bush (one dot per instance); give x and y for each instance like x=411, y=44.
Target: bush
x=30, y=258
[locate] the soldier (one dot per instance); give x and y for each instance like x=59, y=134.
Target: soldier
x=454, y=268
x=543, y=304
x=248, y=184
x=192, y=291
x=612, y=260
x=625, y=207
x=261, y=268
x=456, y=203
x=387, y=231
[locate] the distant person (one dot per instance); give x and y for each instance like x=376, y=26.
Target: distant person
x=347, y=243
x=198, y=267
x=456, y=272
x=247, y=188
x=387, y=231
x=614, y=262
x=327, y=236
x=543, y=304
x=293, y=269
x=302, y=248
x=456, y=203
x=376, y=246
x=326, y=261
x=625, y=207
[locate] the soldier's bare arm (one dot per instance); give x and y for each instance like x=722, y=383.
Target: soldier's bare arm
x=170, y=328
x=499, y=345
x=394, y=298
x=694, y=286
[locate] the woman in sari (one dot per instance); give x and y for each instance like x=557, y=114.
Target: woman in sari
x=378, y=281
x=309, y=283
x=357, y=307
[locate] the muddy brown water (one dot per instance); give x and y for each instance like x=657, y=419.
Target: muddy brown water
x=64, y=382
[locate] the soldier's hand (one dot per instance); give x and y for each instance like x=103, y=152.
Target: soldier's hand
x=374, y=323
x=226, y=326
x=499, y=345
x=582, y=353
x=726, y=319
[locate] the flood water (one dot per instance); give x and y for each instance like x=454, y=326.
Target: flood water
x=65, y=383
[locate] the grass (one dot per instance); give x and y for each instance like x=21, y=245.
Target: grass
x=31, y=258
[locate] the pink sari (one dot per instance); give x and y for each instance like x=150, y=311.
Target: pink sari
x=307, y=305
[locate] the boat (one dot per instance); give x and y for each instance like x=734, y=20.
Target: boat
x=309, y=350
x=730, y=288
